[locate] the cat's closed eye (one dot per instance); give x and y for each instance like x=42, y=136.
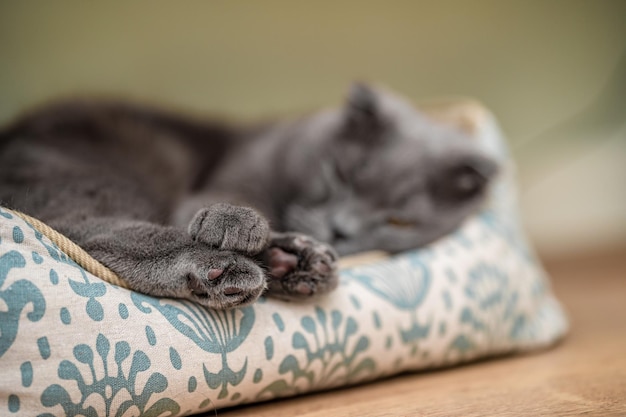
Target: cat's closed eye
x=400, y=222
x=465, y=181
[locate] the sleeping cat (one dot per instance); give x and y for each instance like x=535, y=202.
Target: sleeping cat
x=220, y=214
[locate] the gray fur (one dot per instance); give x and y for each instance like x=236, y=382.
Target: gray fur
x=184, y=208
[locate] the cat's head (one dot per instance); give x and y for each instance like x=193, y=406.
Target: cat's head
x=378, y=174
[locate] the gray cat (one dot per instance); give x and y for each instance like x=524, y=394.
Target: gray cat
x=220, y=214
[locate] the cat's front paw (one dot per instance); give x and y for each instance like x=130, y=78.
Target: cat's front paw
x=231, y=228
x=299, y=267
x=219, y=279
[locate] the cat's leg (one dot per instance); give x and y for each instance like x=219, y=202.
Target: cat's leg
x=169, y=262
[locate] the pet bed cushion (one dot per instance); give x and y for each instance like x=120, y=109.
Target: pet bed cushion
x=73, y=344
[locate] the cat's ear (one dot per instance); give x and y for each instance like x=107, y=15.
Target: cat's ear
x=362, y=112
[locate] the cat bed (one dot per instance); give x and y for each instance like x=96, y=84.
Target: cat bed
x=74, y=344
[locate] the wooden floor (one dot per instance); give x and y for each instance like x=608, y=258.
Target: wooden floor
x=585, y=374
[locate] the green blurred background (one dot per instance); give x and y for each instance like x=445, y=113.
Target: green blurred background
x=553, y=72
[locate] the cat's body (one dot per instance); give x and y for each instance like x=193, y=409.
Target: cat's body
x=180, y=208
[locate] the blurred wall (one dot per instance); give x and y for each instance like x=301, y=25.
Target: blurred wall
x=552, y=71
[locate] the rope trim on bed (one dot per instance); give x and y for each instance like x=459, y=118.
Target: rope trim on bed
x=72, y=250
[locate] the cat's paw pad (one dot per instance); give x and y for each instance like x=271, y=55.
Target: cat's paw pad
x=221, y=280
x=231, y=228
x=300, y=267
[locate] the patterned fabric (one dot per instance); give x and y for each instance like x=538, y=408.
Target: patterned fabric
x=71, y=344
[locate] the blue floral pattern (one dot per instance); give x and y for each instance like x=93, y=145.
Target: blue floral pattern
x=217, y=332
x=16, y=297
x=116, y=392
x=333, y=355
